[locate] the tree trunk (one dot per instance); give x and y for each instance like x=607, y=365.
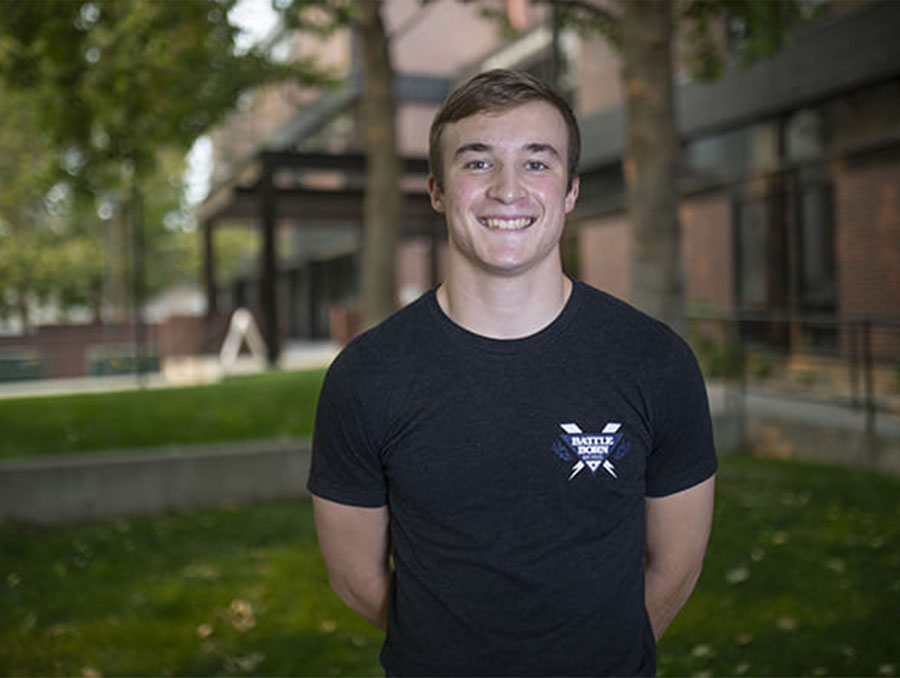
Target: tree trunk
x=117, y=261
x=23, y=309
x=651, y=161
x=382, y=205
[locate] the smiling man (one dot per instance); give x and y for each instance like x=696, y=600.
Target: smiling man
x=514, y=474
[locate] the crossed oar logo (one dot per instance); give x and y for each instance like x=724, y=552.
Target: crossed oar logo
x=590, y=450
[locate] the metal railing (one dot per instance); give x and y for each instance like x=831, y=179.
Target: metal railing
x=848, y=360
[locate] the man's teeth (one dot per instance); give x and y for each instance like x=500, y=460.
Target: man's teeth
x=508, y=224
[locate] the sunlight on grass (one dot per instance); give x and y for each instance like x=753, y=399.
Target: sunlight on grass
x=270, y=405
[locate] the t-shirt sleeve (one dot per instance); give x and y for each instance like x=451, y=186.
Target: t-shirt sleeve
x=346, y=464
x=683, y=452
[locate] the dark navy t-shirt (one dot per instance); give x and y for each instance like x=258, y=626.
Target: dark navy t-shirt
x=516, y=473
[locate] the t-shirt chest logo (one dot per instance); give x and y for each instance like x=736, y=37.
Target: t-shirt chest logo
x=591, y=450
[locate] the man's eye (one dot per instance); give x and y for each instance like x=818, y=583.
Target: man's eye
x=476, y=164
x=536, y=165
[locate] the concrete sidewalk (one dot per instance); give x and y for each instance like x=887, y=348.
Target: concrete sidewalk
x=206, y=369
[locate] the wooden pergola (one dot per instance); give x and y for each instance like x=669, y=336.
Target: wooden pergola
x=278, y=187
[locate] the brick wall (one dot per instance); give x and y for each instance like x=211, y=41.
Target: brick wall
x=706, y=251
x=66, y=351
x=867, y=243
x=603, y=251
x=69, y=351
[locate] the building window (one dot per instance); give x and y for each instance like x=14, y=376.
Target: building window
x=733, y=155
x=750, y=257
x=815, y=249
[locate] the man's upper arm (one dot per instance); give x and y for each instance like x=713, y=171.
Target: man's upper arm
x=351, y=537
x=678, y=525
x=355, y=546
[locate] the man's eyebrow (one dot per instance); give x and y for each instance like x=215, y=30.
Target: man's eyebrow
x=474, y=147
x=537, y=147
x=533, y=147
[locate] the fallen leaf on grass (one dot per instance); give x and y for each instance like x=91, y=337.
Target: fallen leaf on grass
x=246, y=664
x=702, y=652
x=786, y=624
x=210, y=646
x=58, y=630
x=29, y=622
x=744, y=639
x=328, y=626
x=836, y=565
x=201, y=571
x=90, y=672
x=241, y=615
x=738, y=574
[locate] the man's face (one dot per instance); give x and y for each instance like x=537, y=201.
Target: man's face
x=504, y=191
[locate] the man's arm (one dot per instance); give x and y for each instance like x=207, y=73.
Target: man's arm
x=678, y=528
x=355, y=547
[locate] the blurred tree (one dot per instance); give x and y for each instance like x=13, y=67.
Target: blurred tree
x=26, y=167
x=383, y=197
x=52, y=238
x=110, y=85
x=713, y=33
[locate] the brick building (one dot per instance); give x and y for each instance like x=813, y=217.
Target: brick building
x=790, y=177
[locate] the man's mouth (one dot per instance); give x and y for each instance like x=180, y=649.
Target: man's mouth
x=507, y=223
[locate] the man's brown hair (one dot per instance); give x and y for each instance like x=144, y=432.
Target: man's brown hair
x=496, y=91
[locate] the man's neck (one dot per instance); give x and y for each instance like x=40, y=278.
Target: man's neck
x=504, y=307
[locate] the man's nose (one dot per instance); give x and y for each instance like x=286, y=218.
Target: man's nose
x=506, y=185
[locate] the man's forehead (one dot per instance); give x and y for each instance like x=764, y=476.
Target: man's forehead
x=532, y=127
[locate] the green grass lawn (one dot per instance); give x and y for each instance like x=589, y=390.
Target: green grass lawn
x=270, y=405
x=802, y=579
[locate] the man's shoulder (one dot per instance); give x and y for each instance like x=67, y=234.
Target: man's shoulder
x=618, y=315
x=390, y=342
x=627, y=331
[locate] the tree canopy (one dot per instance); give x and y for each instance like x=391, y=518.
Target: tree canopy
x=94, y=95
x=119, y=79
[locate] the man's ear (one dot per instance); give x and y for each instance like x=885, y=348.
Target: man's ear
x=436, y=195
x=572, y=195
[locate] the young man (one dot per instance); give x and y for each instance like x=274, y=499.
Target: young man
x=514, y=474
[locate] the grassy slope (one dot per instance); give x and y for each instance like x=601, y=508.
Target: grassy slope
x=272, y=405
x=802, y=578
